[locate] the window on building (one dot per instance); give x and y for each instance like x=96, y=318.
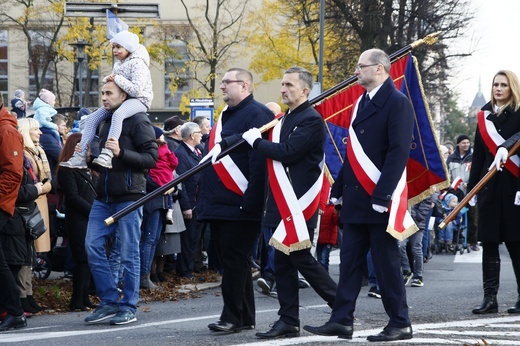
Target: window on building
x=4, y=73
x=176, y=71
x=41, y=53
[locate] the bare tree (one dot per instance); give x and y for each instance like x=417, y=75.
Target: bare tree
x=214, y=32
x=41, y=28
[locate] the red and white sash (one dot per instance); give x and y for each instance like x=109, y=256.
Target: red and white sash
x=400, y=222
x=226, y=169
x=292, y=233
x=492, y=139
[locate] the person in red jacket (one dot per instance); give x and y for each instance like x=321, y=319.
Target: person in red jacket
x=328, y=226
x=11, y=172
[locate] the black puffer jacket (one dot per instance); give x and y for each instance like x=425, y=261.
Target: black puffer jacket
x=126, y=181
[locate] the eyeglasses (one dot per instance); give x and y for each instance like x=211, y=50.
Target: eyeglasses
x=359, y=67
x=196, y=132
x=229, y=81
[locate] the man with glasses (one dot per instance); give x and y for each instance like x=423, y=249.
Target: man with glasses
x=231, y=195
x=379, y=145
x=189, y=155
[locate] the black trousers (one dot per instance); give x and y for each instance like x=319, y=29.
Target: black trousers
x=286, y=269
x=357, y=239
x=234, y=240
x=190, y=240
x=10, y=295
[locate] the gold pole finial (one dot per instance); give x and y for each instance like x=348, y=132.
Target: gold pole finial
x=429, y=40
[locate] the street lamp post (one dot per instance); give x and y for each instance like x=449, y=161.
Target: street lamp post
x=80, y=56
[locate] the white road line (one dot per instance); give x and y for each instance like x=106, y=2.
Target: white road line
x=459, y=334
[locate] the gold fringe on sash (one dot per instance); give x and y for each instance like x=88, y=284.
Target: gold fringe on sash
x=304, y=244
x=404, y=234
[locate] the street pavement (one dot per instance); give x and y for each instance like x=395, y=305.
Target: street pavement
x=440, y=312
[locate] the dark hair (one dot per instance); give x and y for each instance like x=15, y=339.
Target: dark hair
x=68, y=148
x=56, y=118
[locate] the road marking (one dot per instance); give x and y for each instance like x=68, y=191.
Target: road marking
x=455, y=332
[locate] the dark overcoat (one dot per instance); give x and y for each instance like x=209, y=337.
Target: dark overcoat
x=498, y=216
x=385, y=137
x=78, y=192
x=216, y=202
x=300, y=151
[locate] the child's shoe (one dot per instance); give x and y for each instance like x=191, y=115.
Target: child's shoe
x=104, y=159
x=169, y=217
x=77, y=161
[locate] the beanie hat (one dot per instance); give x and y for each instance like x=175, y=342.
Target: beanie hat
x=448, y=198
x=47, y=96
x=158, y=132
x=126, y=39
x=171, y=123
x=18, y=93
x=83, y=111
x=461, y=138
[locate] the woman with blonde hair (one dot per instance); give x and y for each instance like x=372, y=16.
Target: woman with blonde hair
x=498, y=214
x=40, y=170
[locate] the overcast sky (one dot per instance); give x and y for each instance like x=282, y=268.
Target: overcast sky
x=495, y=37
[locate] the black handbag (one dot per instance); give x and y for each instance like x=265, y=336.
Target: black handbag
x=33, y=221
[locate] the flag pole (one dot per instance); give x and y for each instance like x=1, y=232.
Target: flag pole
x=429, y=40
x=163, y=189
x=475, y=190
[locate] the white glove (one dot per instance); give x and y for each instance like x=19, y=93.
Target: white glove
x=252, y=135
x=500, y=158
x=212, y=154
x=333, y=200
x=379, y=208
x=473, y=201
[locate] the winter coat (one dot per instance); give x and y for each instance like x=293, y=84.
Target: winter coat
x=216, y=202
x=18, y=249
x=511, y=142
x=43, y=113
x=384, y=130
x=19, y=106
x=187, y=160
x=52, y=144
x=498, y=217
x=460, y=166
x=420, y=212
x=300, y=151
x=133, y=75
x=329, y=223
x=126, y=180
x=11, y=160
x=78, y=193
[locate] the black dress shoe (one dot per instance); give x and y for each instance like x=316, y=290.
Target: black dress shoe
x=222, y=326
x=280, y=329
x=514, y=309
x=11, y=321
x=392, y=334
x=332, y=329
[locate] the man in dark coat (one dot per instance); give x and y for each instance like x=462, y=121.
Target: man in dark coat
x=189, y=156
x=383, y=127
x=299, y=154
x=231, y=198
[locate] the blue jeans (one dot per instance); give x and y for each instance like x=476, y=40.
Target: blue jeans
x=415, y=241
x=151, y=231
x=446, y=235
x=129, y=232
x=323, y=254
